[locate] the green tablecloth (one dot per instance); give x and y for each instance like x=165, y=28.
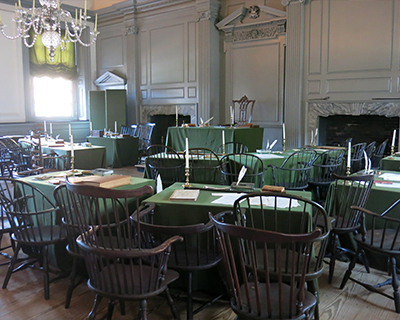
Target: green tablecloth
x=173, y=212
x=58, y=254
x=392, y=164
x=211, y=137
x=120, y=151
x=85, y=157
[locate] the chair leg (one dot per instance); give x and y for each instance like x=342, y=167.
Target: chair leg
x=172, y=305
x=143, y=310
x=122, y=307
x=313, y=288
x=71, y=284
x=395, y=284
x=46, y=280
x=189, y=305
x=93, y=312
x=110, y=310
x=11, y=266
x=333, y=257
x=350, y=269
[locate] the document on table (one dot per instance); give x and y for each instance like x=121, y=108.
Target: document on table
x=268, y=156
x=390, y=176
x=230, y=198
x=388, y=185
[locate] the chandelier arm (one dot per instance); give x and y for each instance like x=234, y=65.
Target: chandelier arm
x=9, y=37
x=89, y=43
x=32, y=43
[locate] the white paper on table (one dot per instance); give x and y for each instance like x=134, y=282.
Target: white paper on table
x=386, y=185
x=226, y=197
x=268, y=156
x=270, y=202
x=159, y=186
x=390, y=176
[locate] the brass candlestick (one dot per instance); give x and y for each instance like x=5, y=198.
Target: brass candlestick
x=284, y=145
x=348, y=171
x=187, y=184
x=392, y=152
x=176, y=120
x=231, y=126
x=72, y=163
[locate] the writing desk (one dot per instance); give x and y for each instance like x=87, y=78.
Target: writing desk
x=120, y=151
x=211, y=137
x=87, y=158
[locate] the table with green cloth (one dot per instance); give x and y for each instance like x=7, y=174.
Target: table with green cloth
x=58, y=254
x=121, y=151
x=86, y=158
x=389, y=163
x=211, y=137
x=187, y=212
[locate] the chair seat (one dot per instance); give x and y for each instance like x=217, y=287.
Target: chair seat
x=308, y=303
x=127, y=282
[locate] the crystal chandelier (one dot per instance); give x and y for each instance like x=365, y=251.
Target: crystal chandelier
x=49, y=21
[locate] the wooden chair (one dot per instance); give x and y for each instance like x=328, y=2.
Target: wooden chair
x=35, y=222
x=6, y=164
x=321, y=172
x=204, y=166
x=246, y=251
x=289, y=214
x=377, y=155
x=231, y=165
x=295, y=171
x=198, y=252
x=381, y=241
x=232, y=147
x=5, y=228
x=344, y=192
x=126, y=130
x=119, y=267
x=71, y=227
x=357, y=156
x=166, y=162
x=134, y=129
x=144, y=134
x=245, y=110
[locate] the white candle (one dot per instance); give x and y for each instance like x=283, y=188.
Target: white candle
x=90, y=127
x=85, y=12
x=71, y=140
x=70, y=130
x=349, y=156
x=312, y=137
x=44, y=126
x=223, y=137
x=115, y=126
x=283, y=131
x=232, y=121
x=95, y=24
x=51, y=129
x=187, y=153
x=394, y=138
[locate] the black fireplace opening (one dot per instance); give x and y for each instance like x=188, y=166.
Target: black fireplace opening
x=334, y=129
x=163, y=121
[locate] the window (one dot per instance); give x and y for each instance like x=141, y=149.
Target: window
x=53, y=97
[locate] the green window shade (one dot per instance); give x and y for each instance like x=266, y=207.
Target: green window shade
x=62, y=66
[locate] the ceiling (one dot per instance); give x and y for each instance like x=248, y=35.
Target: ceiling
x=92, y=4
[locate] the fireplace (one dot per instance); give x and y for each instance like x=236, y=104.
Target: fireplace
x=164, y=116
x=364, y=121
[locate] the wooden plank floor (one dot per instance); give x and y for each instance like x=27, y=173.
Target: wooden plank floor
x=24, y=299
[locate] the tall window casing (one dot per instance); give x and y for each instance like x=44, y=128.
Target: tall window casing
x=53, y=83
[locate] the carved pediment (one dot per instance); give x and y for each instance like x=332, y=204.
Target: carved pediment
x=253, y=15
x=108, y=79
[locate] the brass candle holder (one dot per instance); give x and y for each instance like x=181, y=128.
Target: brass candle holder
x=392, y=152
x=348, y=171
x=187, y=173
x=284, y=145
x=72, y=163
x=231, y=126
x=176, y=120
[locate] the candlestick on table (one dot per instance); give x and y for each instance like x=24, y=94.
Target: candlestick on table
x=71, y=140
x=232, y=116
x=51, y=129
x=349, y=159
x=115, y=127
x=223, y=141
x=90, y=127
x=44, y=127
x=283, y=131
x=187, y=170
x=176, y=116
x=70, y=130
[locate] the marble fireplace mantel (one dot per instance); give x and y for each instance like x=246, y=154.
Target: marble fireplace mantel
x=324, y=108
x=183, y=109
